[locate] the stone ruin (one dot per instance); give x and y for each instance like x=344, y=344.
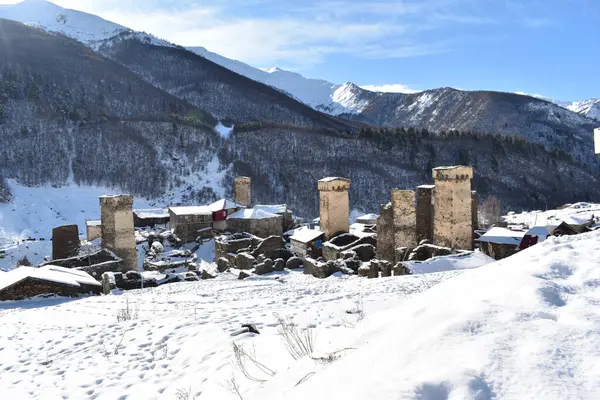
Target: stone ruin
x=243, y=191
x=117, y=228
x=250, y=253
x=452, y=199
x=334, y=206
x=363, y=245
x=65, y=241
x=94, y=263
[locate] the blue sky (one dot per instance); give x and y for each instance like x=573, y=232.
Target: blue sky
x=545, y=47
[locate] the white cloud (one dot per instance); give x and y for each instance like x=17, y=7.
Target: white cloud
x=390, y=88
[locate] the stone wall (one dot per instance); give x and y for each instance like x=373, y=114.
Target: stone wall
x=93, y=232
x=474, y=215
x=334, y=206
x=424, y=196
x=452, y=220
x=31, y=287
x=263, y=227
x=117, y=229
x=65, y=241
x=385, y=233
x=405, y=218
x=243, y=191
x=189, y=227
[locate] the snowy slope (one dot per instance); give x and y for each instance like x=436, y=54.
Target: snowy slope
x=78, y=25
x=521, y=328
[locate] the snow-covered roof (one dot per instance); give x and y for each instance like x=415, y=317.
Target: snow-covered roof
x=332, y=178
x=191, y=210
x=273, y=208
x=52, y=273
x=152, y=213
x=251, y=213
x=542, y=231
x=306, y=235
x=502, y=236
x=368, y=216
x=95, y=222
x=223, y=204
x=577, y=220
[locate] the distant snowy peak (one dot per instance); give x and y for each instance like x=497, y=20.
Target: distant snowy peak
x=86, y=28
x=350, y=98
x=587, y=108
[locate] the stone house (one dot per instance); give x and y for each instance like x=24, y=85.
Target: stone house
x=279, y=209
x=221, y=209
x=150, y=217
x=307, y=243
x=26, y=282
x=500, y=243
x=93, y=230
x=189, y=222
x=256, y=222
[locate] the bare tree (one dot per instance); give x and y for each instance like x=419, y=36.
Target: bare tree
x=490, y=211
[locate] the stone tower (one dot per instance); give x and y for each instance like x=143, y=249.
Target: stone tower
x=117, y=228
x=405, y=218
x=243, y=191
x=425, y=212
x=452, y=216
x=385, y=233
x=334, y=205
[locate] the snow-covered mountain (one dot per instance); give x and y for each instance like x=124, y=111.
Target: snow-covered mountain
x=318, y=93
x=587, y=108
x=78, y=25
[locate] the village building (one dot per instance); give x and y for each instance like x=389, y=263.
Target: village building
x=535, y=235
x=279, y=209
x=26, y=282
x=334, y=206
x=256, y=222
x=243, y=191
x=191, y=222
x=307, y=242
x=221, y=209
x=117, y=229
x=452, y=207
x=93, y=229
x=500, y=243
x=149, y=218
x=65, y=241
x=367, y=219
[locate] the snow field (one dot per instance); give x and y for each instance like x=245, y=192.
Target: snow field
x=179, y=338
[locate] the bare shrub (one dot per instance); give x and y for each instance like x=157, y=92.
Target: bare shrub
x=234, y=388
x=298, y=342
x=490, y=211
x=245, y=359
x=128, y=313
x=184, y=394
x=357, y=311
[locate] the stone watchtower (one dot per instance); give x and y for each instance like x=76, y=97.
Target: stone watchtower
x=405, y=218
x=334, y=206
x=243, y=191
x=117, y=228
x=452, y=219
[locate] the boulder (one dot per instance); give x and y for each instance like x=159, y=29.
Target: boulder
x=269, y=263
x=364, y=270
x=294, y=263
x=244, y=261
x=243, y=275
x=260, y=258
x=353, y=264
x=401, y=269
x=132, y=275
x=279, y=264
x=385, y=267
x=365, y=252
x=344, y=269
x=282, y=253
x=263, y=268
x=349, y=255
x=190, y=276
x=204, y=274
x=269, y=245
x=223, y=264
x=324, y=270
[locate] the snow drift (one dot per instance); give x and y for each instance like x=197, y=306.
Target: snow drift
x=522, y=328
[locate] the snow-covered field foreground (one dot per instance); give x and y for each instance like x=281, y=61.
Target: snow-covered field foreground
x=526, y=327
